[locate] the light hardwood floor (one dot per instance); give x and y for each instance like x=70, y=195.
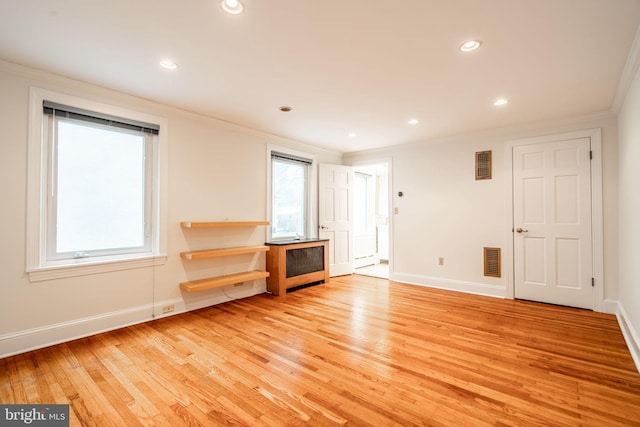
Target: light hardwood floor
x=355, y=351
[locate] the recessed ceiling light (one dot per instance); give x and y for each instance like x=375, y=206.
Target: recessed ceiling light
x=470, y=46
x=285, y=109
x=413, y=121
x=352, y=134
x=234, y=7
x=500, y=101
x=168, y=64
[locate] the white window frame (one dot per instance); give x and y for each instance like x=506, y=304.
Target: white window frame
x=38, y=267
x=311, y=220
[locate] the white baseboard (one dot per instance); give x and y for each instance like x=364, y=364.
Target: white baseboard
x=630, y=335
x=451, y=285
x=366, y=261
x=610, y=306
x=44, y=336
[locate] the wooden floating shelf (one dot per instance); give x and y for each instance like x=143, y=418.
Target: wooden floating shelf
x=221, y=224
x=229, y=279
x=220, y=281
x=213, y=253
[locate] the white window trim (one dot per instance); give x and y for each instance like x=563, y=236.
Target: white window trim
x=312, y=191
x=37, y=188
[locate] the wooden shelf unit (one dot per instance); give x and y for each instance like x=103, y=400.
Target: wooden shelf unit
x=228, y=279
x=220, y=281
x=222, y=224
x=214, y=253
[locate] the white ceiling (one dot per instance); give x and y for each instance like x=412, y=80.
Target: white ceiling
x=363, y=66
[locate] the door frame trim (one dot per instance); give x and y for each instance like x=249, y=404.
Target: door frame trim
x=597, y=217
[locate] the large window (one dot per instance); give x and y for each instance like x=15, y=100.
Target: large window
x=290, y=207
x=98, y=188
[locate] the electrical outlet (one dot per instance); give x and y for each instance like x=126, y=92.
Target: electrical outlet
x=441, y=261
x=167, y=309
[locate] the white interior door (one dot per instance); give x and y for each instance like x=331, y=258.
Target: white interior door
x=335, y=216
x=552, y=223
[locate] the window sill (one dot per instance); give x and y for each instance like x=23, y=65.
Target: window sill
x=85, y=267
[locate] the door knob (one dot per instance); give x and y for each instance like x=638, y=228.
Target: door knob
x=322, y=227
x=521, y=230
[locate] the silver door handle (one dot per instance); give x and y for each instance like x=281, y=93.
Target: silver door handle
x=521, y=230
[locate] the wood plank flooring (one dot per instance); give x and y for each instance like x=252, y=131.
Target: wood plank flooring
x=357, y=351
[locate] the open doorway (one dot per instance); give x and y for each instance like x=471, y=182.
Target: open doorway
x=371, y=220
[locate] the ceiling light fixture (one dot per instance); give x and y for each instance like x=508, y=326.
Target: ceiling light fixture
x=168, y=64
x=285, y=109
x=470, y=46
x=413, y=121
x=234, y=7
x=352, y=134
x=500, y=101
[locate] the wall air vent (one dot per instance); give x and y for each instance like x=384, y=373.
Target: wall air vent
x=492, y=264
x=483, y=165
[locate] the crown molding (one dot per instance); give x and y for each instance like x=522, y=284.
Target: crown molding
x=628, y=73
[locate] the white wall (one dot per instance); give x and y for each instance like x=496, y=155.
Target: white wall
x=216, y=171
x=445, y=212
x=629, y=217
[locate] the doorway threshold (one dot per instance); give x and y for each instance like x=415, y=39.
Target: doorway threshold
x=377, y=270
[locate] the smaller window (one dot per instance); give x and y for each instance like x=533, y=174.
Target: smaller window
x=290, y=187
x=289, y=196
